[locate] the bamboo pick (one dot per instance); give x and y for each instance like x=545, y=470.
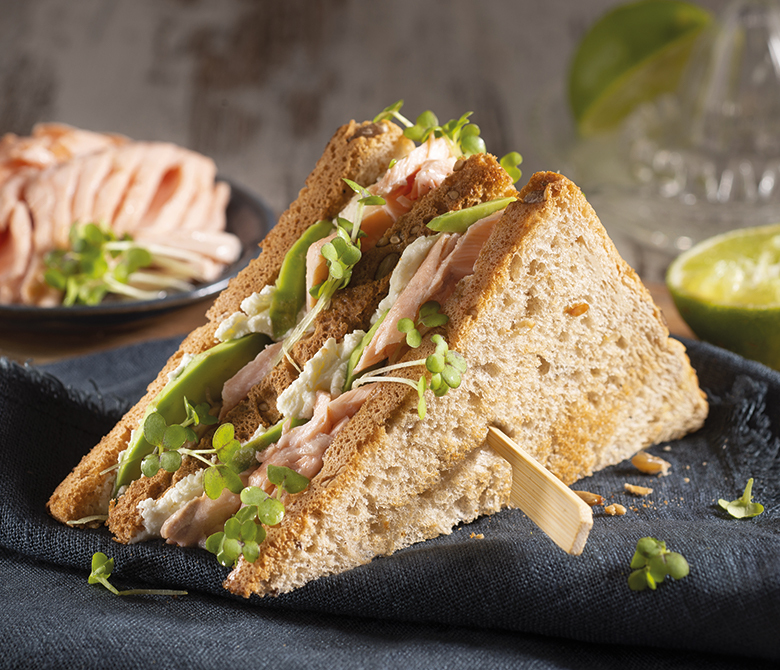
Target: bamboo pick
x=544, y=498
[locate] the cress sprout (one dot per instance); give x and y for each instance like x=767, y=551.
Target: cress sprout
x=430, y=317
x=341, y=255
x=744, y=507
x=98, y=263
x=445, y=366
x=169, y=440
x=102, y=566
x=245, y=530
x=652, y=563
x=462, y=135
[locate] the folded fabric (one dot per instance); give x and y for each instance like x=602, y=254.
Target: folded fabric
x=500, y=573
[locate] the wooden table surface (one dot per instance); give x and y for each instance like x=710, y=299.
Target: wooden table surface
x=45, y=346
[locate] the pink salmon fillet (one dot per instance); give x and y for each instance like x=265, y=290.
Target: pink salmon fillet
x=450, y=259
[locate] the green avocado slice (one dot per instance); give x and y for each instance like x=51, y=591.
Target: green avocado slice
x=458, y=221
x=290, y=294
x=201, y=381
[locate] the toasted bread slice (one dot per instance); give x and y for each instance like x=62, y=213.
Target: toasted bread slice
x=567, y=354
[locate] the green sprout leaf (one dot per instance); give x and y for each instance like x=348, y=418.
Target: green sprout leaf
x=510, y=163
x=217, y=478
x=92, y=267
x=744, y=507
x=431, y=315
x=413, y=337
x=652, y=563
x=103, y=566
x=253, y=495
x=287, y=479
x=154, y=428
x=270, y=511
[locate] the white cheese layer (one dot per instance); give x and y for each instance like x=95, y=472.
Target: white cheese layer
x=410, y=261
x=155, y=512
x=185, y=361
x=254, y=317
x=325, y=371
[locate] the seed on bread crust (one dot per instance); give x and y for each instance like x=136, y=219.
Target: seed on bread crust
x=651, y=465
x=592, y=499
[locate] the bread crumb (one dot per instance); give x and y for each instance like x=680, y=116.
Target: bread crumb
x=477, y=536
x=615, y=509
x=687, y=480
x=637, y=490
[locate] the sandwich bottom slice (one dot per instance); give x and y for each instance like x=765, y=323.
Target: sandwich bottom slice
x=566, y=353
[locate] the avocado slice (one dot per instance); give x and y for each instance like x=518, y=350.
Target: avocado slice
x=458, y=221
x=290, y=294
x=201, y=381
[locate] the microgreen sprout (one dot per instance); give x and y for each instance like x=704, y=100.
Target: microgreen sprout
x=97, y=263
x=233, y=461
x=446, y=368
x=652, y=563
x=463, y=136
x=510, y=163
x=744, y=507
x=169, y=440
x=429, y=317
x=341, y=255
x=103, y=566
x=245, y=530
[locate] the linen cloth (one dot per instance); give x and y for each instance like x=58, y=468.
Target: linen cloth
x=495, y=593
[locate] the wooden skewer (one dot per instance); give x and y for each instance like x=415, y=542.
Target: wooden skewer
x=544, y=498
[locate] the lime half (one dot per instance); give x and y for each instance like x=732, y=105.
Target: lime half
x=727, y=289
x=632, y=54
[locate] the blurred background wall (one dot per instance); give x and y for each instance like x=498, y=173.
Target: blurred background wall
x=261, y=85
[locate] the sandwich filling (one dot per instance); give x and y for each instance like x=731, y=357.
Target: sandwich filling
x=319, y=395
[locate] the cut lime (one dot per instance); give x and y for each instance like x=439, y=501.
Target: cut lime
x=727, y=289
x=631, y=55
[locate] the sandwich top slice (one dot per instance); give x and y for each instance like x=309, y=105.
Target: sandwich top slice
x=361, y=428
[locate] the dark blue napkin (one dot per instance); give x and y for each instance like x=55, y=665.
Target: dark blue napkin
x=507, y=599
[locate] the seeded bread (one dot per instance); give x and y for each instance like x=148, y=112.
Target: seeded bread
x=360, y=152
x=567, y=354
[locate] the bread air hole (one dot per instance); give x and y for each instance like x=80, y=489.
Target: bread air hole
x=544, y=366
x=533, y=306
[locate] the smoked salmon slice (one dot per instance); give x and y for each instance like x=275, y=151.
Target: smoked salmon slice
x=157, y=192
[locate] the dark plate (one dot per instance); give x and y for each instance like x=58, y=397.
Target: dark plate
x=247, y=217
